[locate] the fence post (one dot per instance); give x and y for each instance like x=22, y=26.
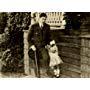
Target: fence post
x=85, y=56
x=26, y=57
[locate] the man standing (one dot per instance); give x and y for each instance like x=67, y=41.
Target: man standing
x=38, y=38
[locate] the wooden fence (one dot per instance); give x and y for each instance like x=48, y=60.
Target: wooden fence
x=74, y=51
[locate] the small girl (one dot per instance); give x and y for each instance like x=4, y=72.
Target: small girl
x=55, y=59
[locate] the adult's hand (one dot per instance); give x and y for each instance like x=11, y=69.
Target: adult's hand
x=33, y=47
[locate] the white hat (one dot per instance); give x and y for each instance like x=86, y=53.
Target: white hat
x=52, y=42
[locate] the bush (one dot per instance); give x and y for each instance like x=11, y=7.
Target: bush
x=16, y=23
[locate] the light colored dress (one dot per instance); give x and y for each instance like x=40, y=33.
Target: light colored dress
x=54, y=56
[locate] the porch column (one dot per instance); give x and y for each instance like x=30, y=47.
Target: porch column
x=26, y=48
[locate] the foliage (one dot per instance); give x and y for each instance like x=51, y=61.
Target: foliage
x=74, y=20
x=16, y=23
x=3, y=22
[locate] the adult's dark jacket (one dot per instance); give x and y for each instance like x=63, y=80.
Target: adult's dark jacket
x=39, y=36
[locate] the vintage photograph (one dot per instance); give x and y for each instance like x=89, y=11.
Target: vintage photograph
x=44, y=44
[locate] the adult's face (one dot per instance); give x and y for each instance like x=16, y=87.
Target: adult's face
x=43, y=19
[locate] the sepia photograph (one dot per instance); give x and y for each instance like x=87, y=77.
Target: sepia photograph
x=44, y=44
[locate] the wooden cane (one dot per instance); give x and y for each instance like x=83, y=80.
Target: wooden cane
x=37, y=73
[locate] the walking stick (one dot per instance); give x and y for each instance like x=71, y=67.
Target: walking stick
x=36, y=65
